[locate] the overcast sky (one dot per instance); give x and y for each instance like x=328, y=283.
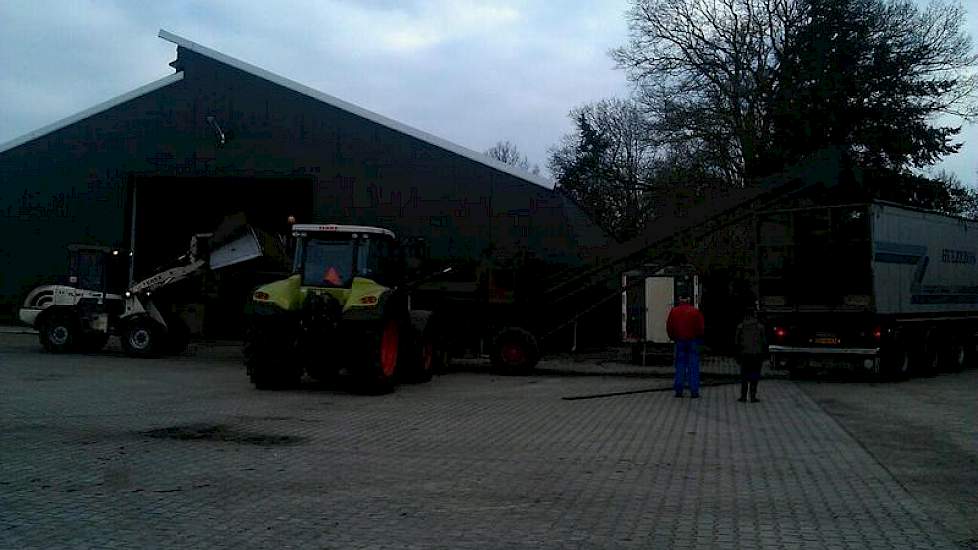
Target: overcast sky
x=467, y=71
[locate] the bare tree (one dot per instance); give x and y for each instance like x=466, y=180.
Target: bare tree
x=705, y=70
x=508, y=153
x=606, y=164
x=738, y=80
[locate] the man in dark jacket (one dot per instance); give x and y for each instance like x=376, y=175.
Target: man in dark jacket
x=751, y=342
x=685, y=328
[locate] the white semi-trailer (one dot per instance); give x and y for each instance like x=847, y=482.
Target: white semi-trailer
x=891, y=288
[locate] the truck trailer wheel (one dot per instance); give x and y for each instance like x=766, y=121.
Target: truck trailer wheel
x=954, y=357
x=142, y=338
x=514, y=351
x=59, y=332
x=895, y=364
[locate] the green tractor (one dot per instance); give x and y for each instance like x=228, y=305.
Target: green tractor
x=345, y=310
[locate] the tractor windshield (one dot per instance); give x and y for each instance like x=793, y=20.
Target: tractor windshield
x=333, y=260
x=327, y=263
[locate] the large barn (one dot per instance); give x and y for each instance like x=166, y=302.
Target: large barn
x=146, y=170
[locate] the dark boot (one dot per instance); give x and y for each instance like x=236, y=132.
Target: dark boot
x=743, y=392
x=753, y=392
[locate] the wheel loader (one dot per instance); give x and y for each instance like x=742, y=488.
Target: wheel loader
x=344, y=311
x=96, y=302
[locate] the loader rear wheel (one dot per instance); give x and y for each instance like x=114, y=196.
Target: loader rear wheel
x=141, y=338
x=514, y=351
x=59, y=332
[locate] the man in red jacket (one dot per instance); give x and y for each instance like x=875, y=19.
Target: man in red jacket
x=685, y=328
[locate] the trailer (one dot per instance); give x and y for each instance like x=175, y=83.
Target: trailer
x=890, y=288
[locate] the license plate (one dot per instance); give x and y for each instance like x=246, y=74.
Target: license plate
x=826, y=340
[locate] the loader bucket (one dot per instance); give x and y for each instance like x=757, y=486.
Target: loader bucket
x=235, y=241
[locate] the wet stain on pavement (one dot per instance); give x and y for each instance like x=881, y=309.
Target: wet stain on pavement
x=222, y=434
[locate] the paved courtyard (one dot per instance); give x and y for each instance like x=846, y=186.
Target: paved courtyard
x=104, y=451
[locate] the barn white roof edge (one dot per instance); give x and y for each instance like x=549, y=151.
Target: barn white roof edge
x=91, y=111
x=354, y=109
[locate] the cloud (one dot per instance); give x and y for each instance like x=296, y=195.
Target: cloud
x=473, y=72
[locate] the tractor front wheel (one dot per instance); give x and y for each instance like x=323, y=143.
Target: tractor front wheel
x=270, y=359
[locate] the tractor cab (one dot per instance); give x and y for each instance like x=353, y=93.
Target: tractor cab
x=334, y=256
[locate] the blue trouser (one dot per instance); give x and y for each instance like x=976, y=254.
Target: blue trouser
x=687, y=366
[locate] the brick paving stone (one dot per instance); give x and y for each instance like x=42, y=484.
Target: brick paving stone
x=470, y=460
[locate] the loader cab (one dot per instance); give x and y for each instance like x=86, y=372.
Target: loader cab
x=98, y=268
x=331, y=256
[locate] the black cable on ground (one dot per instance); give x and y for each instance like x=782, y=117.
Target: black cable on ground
x=633, y=392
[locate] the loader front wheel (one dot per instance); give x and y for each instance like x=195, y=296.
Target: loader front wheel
x=141, y=338
x=59, y=332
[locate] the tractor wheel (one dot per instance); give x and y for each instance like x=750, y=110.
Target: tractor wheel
x=423, y=362
x=93, y=342
x=514, y=351
x=383, y=360
x=269, y=360
x=142, y=338
x=420, y=352
x=59, y=332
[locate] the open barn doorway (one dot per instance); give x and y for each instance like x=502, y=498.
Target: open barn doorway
x=165, y=212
